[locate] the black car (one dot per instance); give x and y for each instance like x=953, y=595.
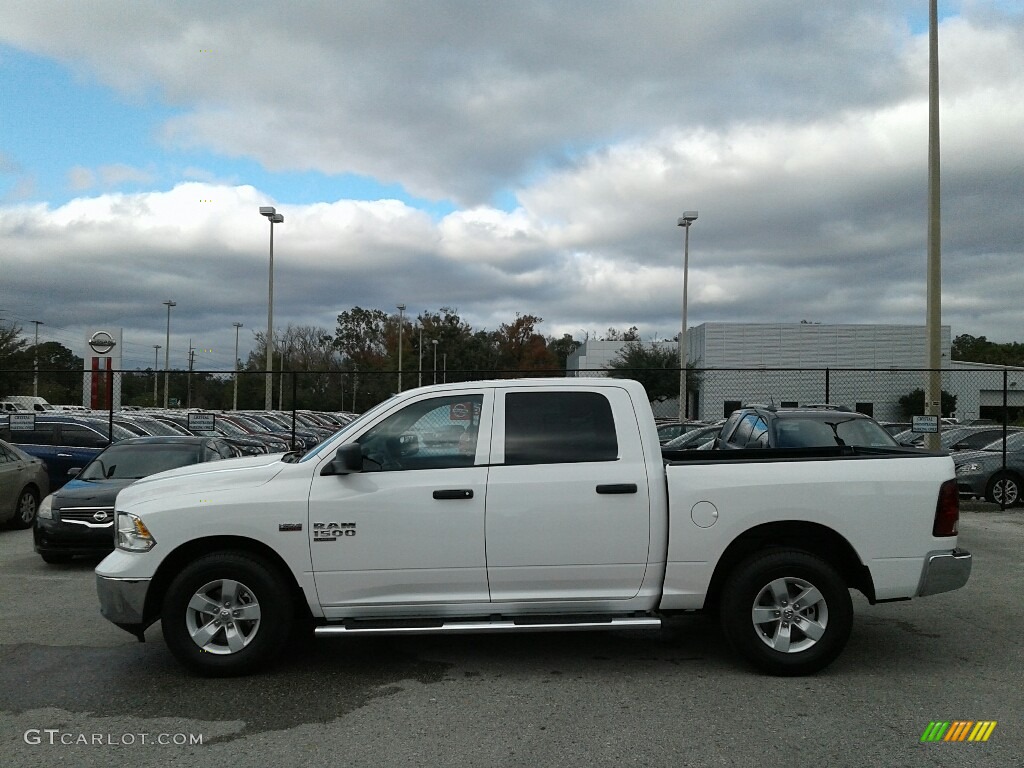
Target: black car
x=79, y=518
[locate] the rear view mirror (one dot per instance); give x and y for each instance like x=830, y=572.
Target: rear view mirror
x=347, y=459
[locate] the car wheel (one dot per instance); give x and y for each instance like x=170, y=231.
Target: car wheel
x=25, y=511
x=1004, y=488
x=55, y=558
x=787, y=612
x=227, y=613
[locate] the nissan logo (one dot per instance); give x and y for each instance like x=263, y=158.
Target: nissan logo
x=102, y=342
x=100, y=517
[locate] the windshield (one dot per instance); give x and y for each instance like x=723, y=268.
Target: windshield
x=347, y=428
x=1014, y=442
x=132, y=462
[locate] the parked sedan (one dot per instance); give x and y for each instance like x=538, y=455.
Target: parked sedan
x=78, y=519
x=23, y=482
x=981, y=473
x=65, y=442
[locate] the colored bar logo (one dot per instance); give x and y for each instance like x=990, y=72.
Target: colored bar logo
x=959, y=730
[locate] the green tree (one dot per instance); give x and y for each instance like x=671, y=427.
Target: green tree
x=561, y=348
x=912, y=404
x=981, y=350
x=12, y=347
x=655, y=366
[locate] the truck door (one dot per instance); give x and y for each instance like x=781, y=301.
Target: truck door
x=568, y=511
x=409, y=528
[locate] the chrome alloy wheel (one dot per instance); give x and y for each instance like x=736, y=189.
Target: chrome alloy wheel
x=223, y=617
x=790, y=615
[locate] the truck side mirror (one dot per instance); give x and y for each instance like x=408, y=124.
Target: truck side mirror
x=347, y=459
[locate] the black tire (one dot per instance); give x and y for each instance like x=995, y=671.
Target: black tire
x=251, y=633
x=1004, y=485
x=26, y=509
x=55, y=558
x=770, y=586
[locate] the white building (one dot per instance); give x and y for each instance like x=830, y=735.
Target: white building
x=803, y=363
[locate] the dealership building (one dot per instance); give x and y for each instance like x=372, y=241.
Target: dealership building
x=866, y=367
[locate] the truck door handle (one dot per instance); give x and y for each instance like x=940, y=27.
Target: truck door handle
x=460, y=493
x=617, y=488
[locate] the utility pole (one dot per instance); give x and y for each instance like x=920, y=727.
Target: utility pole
x=191, y=361
x=35, y=361
x=156, y=377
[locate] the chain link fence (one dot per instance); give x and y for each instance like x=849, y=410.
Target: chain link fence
x=888, y=395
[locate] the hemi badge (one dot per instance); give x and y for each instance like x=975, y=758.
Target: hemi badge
x=290, y=527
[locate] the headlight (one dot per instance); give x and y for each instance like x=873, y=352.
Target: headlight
x=132, y=534
x=45, y=510
x=968, y=469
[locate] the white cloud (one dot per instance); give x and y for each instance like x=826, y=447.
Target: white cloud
x=799, y=135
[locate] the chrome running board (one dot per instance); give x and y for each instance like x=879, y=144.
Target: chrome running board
x=473, y=627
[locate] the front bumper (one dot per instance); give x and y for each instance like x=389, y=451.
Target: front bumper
x=973, y=484
x=123, y=602
x=944, y=571
x=61, y=537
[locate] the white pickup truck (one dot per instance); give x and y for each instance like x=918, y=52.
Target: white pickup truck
x=526, y=505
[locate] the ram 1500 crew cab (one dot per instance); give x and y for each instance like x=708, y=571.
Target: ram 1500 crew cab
x=527, y=505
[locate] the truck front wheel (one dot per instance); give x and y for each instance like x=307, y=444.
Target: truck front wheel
x=787, y=612
x=227, y=613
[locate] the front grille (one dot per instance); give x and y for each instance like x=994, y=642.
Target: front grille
x=91, y=517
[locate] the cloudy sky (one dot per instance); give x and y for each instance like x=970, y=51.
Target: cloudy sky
x=503, y=157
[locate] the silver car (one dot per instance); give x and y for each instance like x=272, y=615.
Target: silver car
x=23, y=482
x=981, y=473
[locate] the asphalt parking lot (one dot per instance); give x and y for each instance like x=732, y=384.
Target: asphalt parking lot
x=75, y=690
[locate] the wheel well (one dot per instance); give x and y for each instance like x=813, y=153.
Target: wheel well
x=186, y=553
x=32, y=487
x=812, y=538
x=1007, y=474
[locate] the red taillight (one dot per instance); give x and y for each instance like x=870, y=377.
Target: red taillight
x=947, y=510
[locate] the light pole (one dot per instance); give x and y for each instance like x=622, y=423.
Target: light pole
x=420, y=383
x=275, y=218
x=401, y=322
x=35, y=361
x=933, y=311
x=156, y=376
x=685, y=221
x=444, y=368
x=434, y=342
x=234, y=402
x=167, y=351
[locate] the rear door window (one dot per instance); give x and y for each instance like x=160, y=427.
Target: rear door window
x=559, y=427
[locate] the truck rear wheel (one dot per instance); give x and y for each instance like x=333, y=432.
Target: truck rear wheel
x=787, y=612
x=227, y=613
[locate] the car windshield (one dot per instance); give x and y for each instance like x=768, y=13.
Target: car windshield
x=1014, y=442
x=132, y=462
x=348, y=427
x=157, y=427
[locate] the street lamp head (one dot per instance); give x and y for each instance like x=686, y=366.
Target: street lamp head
x=434, y=342
x=687, y=218
x=170, y=304
x=237, y=325
x=400, y=307
x=267, y=210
